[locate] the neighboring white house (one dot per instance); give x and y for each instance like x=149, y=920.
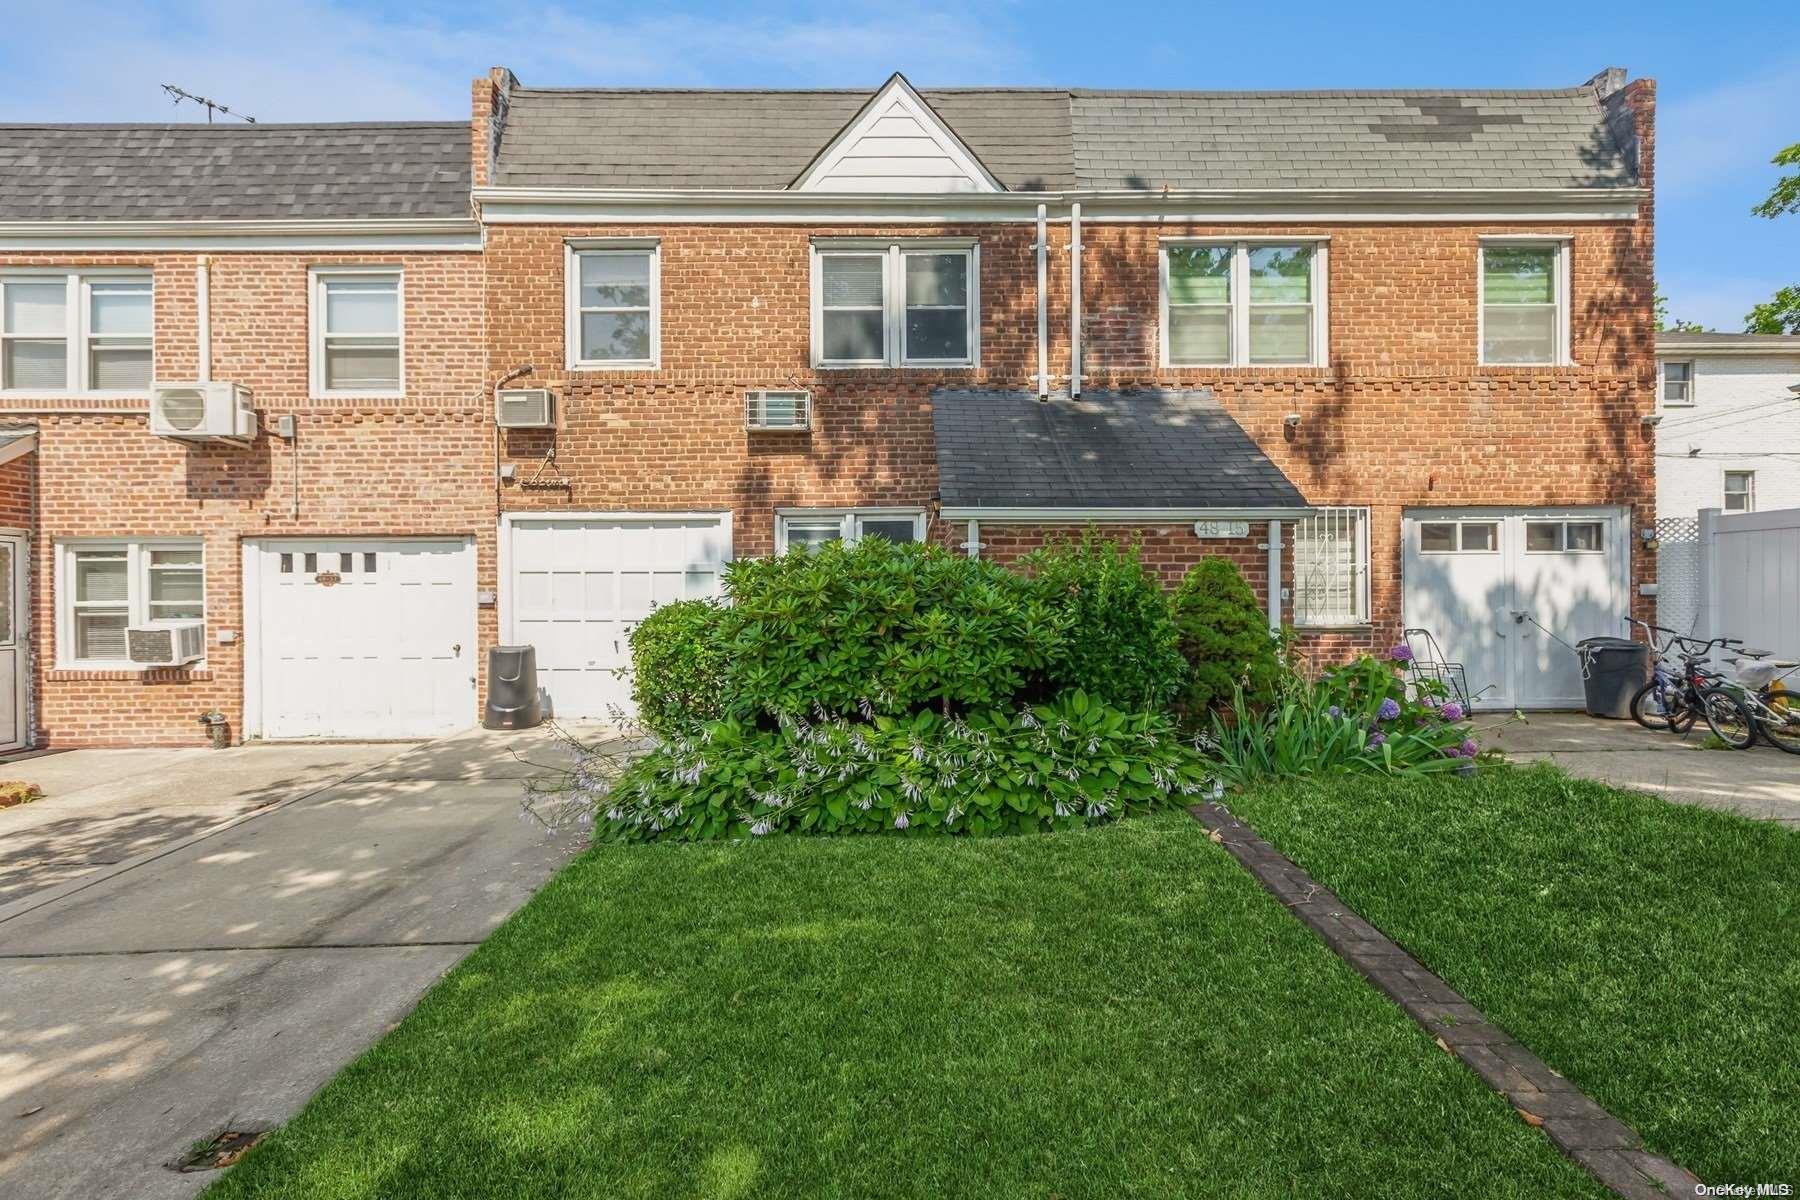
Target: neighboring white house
x=1730, y=432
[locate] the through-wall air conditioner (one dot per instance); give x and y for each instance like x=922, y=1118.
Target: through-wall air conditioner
x=524, y=408
x=202, y=412
x=785, y=412
x=169, y=644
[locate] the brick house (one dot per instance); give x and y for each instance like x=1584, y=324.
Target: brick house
x=1391, y=352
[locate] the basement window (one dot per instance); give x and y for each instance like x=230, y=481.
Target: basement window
x=812, y=528
x=104, y=588
x=83, y=333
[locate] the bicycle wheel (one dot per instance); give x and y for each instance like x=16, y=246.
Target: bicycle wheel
x=1651, y=708
x=1780, y=720
x=1728, y=719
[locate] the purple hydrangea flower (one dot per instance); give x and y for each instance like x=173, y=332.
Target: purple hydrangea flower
x=1469, y=748
x=1401, y=653
x=1334, y=712
x=1452, y=711
x=1390, y=708
x=1376, y=738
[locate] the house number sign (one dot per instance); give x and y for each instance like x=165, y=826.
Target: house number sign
x=327, y=578
x=1221, y=529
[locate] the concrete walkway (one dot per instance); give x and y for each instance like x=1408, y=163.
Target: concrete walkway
x=163, y=977
x=1761, y=782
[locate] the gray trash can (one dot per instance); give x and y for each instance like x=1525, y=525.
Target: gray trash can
x=513, y=701
x=1612, y=669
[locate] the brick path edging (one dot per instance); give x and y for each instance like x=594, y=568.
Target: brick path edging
x=1596, y=1140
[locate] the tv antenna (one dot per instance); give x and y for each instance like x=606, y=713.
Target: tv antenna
x=177, y=95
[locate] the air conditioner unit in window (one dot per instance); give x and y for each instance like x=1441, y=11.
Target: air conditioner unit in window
x=524, y=408
x=770, y=411
x=202, y=412
x=170, y=644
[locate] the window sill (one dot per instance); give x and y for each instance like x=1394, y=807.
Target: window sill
x=135, y=397
x=126, y=672
x=319, y=396
x=905, y=366
x=1346, y=627
x=638, y=365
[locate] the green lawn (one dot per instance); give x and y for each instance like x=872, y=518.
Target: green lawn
x=1110, y=1013
x=1648, y=951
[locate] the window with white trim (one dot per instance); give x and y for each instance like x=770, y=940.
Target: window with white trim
x=1459, y=537
x=1565, y=537
x=83, y=332
x=1740, y=491
x=1244, y=303
x=104, y=588
x=1524, y=303
x=814, y=528
x=357, y=340
x=1331, y=567
x=899, y=304
x=1677, y=382
x=614, y=295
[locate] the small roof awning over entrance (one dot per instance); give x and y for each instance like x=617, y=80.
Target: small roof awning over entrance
x=16, y=441
x=1147, y=455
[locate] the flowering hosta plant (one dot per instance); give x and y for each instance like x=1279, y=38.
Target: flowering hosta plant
x=1067, y=763
x=1362, y=717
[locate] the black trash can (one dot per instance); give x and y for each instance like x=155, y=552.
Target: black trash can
x=513, y=701
x=1612, y=669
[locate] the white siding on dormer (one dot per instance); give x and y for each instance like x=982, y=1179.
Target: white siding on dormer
x=897, y=145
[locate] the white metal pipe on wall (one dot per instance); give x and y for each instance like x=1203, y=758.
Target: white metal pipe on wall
x=1275, y=576
x=1043, y=300
x=203, y=317
x=1074, y=299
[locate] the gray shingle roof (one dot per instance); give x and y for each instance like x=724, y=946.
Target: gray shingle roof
x=1055, y=138
x=245, y=172
x=1148, y=449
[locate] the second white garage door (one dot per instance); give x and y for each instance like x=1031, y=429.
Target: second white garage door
x=577, y=584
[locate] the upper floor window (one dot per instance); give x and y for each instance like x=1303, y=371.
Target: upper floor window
x=1524, y=303
x=357, y=344
x=1740, y=491
x=1677, y=382
x=912, y=304
x=613, y=301
x=1243, y=303
x=106, y=587
x=1331, y=567
x=85, y=331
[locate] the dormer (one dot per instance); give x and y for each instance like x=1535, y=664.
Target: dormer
x=896, y=143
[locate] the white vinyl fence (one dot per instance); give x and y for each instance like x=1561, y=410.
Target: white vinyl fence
x=1750, y=578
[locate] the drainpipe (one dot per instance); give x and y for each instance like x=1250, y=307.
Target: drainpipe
x=973, y=545
x=203, y=317
x=1043, y=266
x=1074, y=300
x=1274, y=576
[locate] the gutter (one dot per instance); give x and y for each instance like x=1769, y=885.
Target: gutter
x=1144, y=516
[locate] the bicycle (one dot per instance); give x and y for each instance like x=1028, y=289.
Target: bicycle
x=1768, y=707
x=1673, y=700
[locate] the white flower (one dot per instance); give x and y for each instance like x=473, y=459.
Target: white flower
x=761, y=827
x=901, y=820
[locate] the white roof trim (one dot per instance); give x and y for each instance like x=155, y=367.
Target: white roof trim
x=885, y=152
x=1775, y=345
x=16, y=443
x=410, y=233
x=1146, y=516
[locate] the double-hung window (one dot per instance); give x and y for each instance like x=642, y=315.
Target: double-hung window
x=1331, y=567
x=1243, y=303
x=614, y=294
x=358, y=345
x=84, y=332
x=1740, y=491
x=107, y=587
x=1525, y=302
x=813, y=528
x=907, y=303
x=1677, y=382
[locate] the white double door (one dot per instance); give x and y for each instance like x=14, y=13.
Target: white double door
x=1503, y=589
x=576, y=585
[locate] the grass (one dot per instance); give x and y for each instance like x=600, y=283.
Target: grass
x=1648, y=951
x=1110, y=1013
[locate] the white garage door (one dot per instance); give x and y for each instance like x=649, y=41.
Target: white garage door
x=1492, y=585
x=357, y=638
x=578, y=585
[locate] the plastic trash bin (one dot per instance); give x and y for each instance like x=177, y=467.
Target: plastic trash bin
x=512, y=701
x=1613, y=669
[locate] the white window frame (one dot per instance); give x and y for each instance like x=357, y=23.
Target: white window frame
x=1562, y=534
x=137, y=587
x=1725, y=492
x=893, y=252
x=574, y=250
x=317, y=279
x=1662, y=383
x=850, y=522
x=77, y=320
x=1354, y=520
x=1239, y=340
x=1459, y=548
x=1560, y=243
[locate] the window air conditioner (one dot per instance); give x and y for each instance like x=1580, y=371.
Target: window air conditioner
x=170, y=644
x=770, y=411
x=202, y=412
x=524, y=408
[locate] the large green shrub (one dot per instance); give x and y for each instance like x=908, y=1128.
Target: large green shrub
x=1068, y=763
x=1120, y=644
x=678, y=666
x=881, y=628
x=1224, y=635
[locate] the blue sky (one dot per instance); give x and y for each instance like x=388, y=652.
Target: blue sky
x=1729, y=81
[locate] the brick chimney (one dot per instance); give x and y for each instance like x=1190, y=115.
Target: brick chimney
x=491, y=94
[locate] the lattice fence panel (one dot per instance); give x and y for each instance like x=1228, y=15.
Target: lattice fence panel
x=1678, y=582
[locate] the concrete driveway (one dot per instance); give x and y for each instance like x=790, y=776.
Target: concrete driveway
x=197, y=940
x=1761, y=782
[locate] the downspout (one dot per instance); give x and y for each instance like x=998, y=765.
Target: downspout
x=1274, y=576
x=1075, y=299
x=1043, y=266
x=203, y=318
